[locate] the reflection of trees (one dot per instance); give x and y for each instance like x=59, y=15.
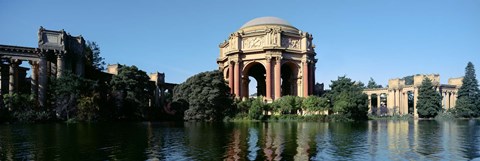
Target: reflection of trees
x=348, y=140
x=206, y=140
x=304, y=135
x=429, y=138
x=469, y=138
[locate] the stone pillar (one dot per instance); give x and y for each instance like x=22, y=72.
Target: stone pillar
x=42, y=80
x=369, y=103
x=237, y=79
x=13, y=82
x=447, y=100
x=405, y=102
x=34, y=78
x=278, y=64
x=378, y=101
x=231, y=74
x=268, y=74
x=60, y=64
x=415, y=98
x=305, y=78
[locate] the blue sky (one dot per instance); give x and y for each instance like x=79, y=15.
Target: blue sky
x=361, y=39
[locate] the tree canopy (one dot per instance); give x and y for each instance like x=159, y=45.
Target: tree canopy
x=372, y=84
x=348, y=99
x=131, y=92
x=207, y=94
x=429, y=102
x=468, y=102
x=93, y=59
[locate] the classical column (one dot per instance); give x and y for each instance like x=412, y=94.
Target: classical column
x=34, y=78
x=60, y=64
x=42, y=80
x=14, y=63
x=415, y=98
x=268, y=80
x=405, y=102
x=305, y=78
x=378, y=101
x=278, y=78
x=231, y=74
x=369, y=103
x=312, y=77
x=237, y=80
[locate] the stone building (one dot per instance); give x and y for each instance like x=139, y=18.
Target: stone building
x=400, y=98
x=56, y=53
x=280, y=57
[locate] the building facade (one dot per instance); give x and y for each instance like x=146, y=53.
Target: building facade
x=57, y=52
x=400, y=98
x=280, y=57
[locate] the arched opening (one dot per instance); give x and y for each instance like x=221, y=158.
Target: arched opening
x=289, y=79
x=254, y=78
x=410, y=102
x=374, y=103
x=383, y=110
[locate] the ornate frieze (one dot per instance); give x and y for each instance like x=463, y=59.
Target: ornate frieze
x=291, y=43
x=253, y=42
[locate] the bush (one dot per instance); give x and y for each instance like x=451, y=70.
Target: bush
x=287, y=104
x=315, y=104
x=256, y=109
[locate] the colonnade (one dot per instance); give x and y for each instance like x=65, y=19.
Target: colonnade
x=238, y=78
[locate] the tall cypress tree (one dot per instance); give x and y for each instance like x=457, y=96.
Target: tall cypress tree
x=429, y=102
x=468, y=102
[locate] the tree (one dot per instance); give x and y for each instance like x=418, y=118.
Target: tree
x=288, y=104
x=372, y=84
x=93, y=59
x=207, y=94
x=256, y=109
x=429, y=102
x=131, y=91
x=348, y=99
x=315, y=104
x=66, y=91
x=468, y=102
x=408, y=80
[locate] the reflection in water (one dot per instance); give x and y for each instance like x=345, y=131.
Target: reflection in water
x=373, y=140
x=252, y=143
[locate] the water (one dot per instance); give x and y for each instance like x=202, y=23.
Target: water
x=372, y=140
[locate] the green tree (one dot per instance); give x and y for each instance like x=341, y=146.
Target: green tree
x=408, y=80
x=348, y=99
x=288, y=104
x=429, y=102
x=66, y=91
x=207, y=94
x=131, y=92
x=93, y=59
x=315, y=104
x=468, y=102
x=372, y=84
x=256, y=109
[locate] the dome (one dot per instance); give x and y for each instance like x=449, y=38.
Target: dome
x=266, y=21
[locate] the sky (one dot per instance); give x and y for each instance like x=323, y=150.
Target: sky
x=382, y=39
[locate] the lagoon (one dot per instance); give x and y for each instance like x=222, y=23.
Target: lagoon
x=369, y=140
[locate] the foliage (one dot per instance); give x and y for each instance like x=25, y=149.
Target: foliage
x=88, y=107
x=207, y=94
x=348, y=99
x=131, y=92
x=256, y=109
x=93, y=59
x=408, y=80
x=429, y=102
x=446, y=116
x=287, y=104
x=315, y=104
x=372, y=84
x=21, y=108
x=66, y=91
x=468, y=102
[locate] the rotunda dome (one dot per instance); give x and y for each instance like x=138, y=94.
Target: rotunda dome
x=266, y=21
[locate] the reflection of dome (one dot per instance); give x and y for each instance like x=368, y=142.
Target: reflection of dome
x=266, y=21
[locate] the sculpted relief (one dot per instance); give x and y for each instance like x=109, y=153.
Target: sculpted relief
x=292, y=43
x=252, y=42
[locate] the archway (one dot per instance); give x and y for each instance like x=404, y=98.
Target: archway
x=256, y=71
x=374, y=103
x=411, y=96
x=289, y=79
